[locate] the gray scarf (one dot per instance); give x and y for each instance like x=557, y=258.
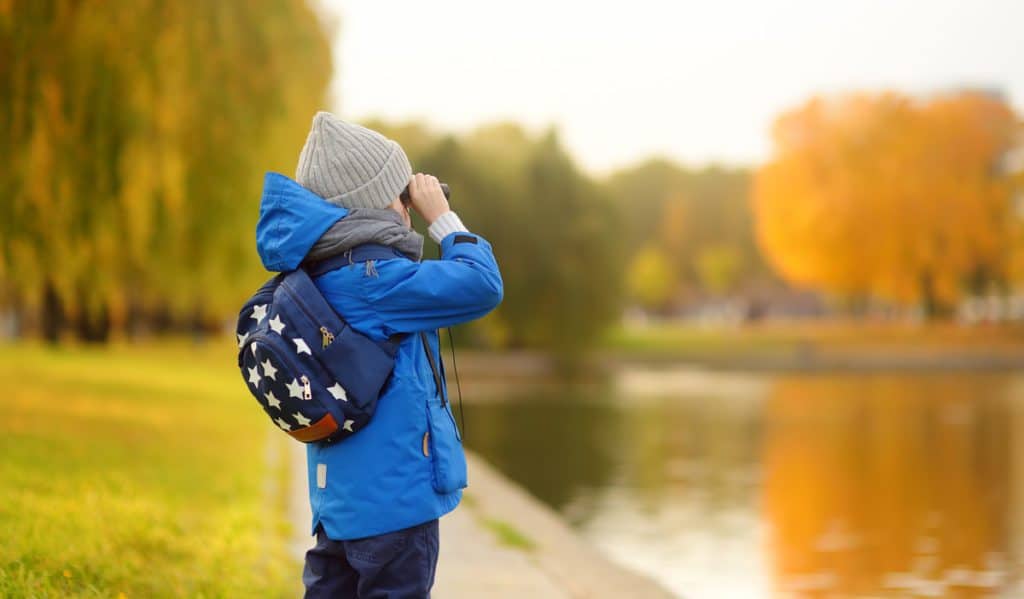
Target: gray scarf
x=368, y=225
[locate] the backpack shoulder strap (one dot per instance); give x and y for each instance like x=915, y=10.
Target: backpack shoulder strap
x=360, y=253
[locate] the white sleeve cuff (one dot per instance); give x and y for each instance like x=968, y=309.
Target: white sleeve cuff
x=445, y=225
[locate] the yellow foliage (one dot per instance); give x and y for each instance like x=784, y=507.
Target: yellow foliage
x=886, y=196
x=136, y=134
x=718, y=267
x=650, y=278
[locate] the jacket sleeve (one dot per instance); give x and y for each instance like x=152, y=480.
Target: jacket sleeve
x=463, y=285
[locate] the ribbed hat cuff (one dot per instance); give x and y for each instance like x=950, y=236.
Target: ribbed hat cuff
x=383, y=188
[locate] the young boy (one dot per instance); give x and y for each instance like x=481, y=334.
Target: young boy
x=377, y=495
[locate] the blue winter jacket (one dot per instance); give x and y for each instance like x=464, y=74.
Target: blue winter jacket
x=392, y=474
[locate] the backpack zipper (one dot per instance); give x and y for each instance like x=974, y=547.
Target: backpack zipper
x=327, y=336
x=286, y=359
x=298, y=300
x=307, y=393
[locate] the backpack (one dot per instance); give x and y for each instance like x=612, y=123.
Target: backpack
x=316, y=377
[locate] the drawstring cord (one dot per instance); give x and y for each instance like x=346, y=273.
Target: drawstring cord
x=371, y=269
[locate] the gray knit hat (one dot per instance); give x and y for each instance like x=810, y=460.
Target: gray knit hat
x=351, y=166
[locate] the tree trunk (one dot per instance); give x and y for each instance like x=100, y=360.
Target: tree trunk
x=930, y=304
x=51, y=314
x=93, y=326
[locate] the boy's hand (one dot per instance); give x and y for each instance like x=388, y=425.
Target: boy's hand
x=427, y=197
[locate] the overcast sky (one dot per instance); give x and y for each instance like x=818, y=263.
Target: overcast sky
x=696, y=81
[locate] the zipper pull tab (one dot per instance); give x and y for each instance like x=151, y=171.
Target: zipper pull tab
x=327, y=337
x=307, y=393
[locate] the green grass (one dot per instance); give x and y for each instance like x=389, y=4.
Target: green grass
x=691, y=340
x=509, y=535
x=137, y=472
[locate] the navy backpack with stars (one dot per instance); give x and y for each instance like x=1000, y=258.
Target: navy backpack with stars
x=314, y=376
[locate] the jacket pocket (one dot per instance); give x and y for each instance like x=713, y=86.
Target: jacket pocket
x=448, y=461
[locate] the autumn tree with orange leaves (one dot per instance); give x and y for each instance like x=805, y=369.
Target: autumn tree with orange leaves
x=891, y=198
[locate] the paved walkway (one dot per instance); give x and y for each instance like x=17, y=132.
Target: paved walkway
x=502, y=543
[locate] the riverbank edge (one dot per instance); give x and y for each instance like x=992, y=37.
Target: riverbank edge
x=522, y=520
x=532, y=536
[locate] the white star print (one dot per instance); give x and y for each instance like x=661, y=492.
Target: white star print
x=272, y=400
x=241, y=339
x=276, y=324
x=269, y=370
x=338, y=392
x=253, y=348
x=254, y=376
x=300, y=346
x=347, y=425
x=294, y=389
x=259, y=312
x=302, y=420
x=283, y=424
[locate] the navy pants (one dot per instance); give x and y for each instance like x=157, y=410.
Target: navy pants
x=395, y=565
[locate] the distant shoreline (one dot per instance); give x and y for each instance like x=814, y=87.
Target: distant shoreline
x=482, y=367
x=813, y=359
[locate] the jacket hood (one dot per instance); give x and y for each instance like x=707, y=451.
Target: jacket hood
x=292, y=219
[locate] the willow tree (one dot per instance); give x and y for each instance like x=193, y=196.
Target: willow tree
x=553, y=230
x=135, y=138
x=889, y=197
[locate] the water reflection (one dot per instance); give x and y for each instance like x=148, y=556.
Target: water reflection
x=556, y=447
x=806, y=486
x=885, y=485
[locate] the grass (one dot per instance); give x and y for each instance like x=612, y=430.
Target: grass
x=686, y=339
x=137, y=472
x=509, y=535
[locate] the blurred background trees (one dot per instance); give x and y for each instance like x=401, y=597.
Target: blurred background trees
x=555, y=232
x=889, y=197
x=693, y=226
x=136, y=135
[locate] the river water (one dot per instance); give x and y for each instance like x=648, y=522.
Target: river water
x=736, y=485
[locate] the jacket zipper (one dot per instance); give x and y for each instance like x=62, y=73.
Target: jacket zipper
x=433, y=368
x=307, y=393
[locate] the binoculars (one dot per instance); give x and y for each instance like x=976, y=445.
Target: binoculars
x=407, y=199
